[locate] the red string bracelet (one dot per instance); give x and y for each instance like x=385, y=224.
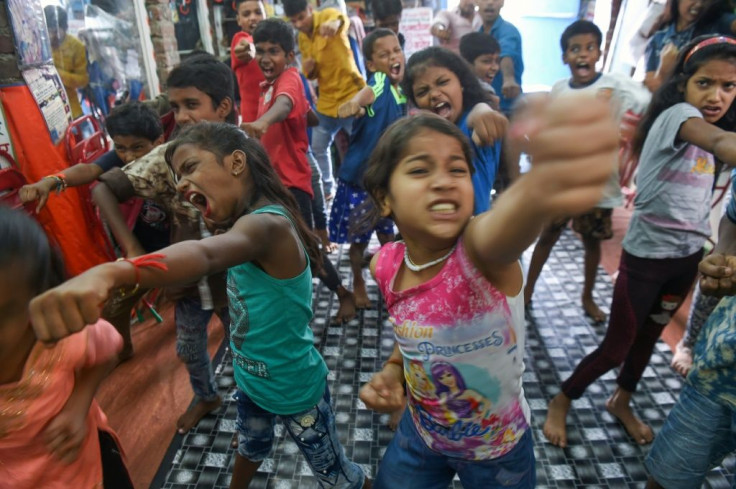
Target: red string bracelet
x=148, y=261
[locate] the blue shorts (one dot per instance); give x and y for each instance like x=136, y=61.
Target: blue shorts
x=312, y=430
x=350, y=205
x=409, y=464
x=696, y=436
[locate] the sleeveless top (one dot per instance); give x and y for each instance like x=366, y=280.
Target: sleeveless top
x=274, y=359
x=462, y=342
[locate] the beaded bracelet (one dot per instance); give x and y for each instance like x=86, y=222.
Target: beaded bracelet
x=60, y=180
x=152, y=261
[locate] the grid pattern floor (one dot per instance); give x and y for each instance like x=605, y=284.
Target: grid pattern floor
x=600, y=454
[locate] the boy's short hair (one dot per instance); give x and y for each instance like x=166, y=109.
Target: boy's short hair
x=386, y=8
x=238, y=2
x=371, y=39
x=134, y=119
x=56, y=17
x=580, y=27
x=293, y=7
x=205, y=73
x=276, y=31
x=474, y=44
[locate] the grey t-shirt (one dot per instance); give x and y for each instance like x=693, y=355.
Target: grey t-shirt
x=673, y=195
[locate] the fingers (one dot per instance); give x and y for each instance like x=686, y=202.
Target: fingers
x=42, y=198
x=490, y=128
x=57, y=314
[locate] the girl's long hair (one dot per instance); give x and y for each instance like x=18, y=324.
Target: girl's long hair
x=672, y=91
x=444, y=58
x=223, y=139
x=25, y=242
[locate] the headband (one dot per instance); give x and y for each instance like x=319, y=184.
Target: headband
x=708, y=42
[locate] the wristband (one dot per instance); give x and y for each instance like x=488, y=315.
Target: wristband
x=60, y=180
x=153, y=261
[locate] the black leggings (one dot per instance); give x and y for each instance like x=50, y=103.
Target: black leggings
x=328, y=275
x=114, y=472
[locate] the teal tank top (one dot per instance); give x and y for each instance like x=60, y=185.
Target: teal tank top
x=274, y=358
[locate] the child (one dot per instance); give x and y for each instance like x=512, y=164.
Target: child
x=250, y=77
x=282, y=128
x=135, y=130
x=676, y=141
x=453, y=291
x=387, y=15
x=482, y=52
x=440, y=81
x=380, y=103
x=267, y=251
x=699, y=430
x=201, y=88
x=326, y=57
x=52, y=432
x=581, y=48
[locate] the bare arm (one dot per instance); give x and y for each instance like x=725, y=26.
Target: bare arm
x=713, y=139
x=719, y=268
x=278, y=112
x=354, y=106
x=79, y=174
x=510, y=88
x=110, y=211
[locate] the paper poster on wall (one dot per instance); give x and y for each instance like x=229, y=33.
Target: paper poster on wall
x=45, y=85
x=415, y=24
x=29, y=31
x=6, y=145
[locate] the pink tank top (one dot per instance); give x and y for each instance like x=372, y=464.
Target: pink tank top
x=462, y=341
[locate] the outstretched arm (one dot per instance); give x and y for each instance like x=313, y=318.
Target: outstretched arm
x=713, y=139
x=278, y=112
x=354, y=106
x=79, y=174
x=573, y=143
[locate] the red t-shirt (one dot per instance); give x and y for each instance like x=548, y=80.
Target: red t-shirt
x=286, y=142
x=249, y=77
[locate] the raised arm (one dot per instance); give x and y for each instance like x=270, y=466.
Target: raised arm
x=278, y=112
x=573, y=143
x=354, y=106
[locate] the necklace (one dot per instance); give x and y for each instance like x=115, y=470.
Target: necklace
x=418, y=268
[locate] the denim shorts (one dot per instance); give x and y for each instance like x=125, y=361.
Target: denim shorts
x=696, y=436
x=312, y=430
x=409, y=464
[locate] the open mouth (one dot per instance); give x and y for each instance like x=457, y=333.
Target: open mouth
x=199, y=201
x=395, y=69
x=267, y=71
x=442, y=109
x=711, y=111
x=443, y=208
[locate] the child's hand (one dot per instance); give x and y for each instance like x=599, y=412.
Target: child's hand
x=718, y=277
x=667, y=59
x=329, y=29
x=385, y=391
x=487, y=124
x=38, y=191
x=349, y=109
x=65, y=434
x=255, y=129
x=66, y=309
x=244, y=50
x=441, y=32
x=573, y=143
x=510, y=89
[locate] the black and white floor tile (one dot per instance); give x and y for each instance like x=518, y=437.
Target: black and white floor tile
x=600, y=453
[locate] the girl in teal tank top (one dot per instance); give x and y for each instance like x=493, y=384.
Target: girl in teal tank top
x=269, y=254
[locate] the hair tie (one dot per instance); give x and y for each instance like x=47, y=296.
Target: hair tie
x=708, y=42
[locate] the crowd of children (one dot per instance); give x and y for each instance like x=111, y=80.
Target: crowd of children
x=226, y=213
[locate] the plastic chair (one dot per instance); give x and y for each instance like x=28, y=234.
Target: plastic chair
x=11, y=180
x=85, y=140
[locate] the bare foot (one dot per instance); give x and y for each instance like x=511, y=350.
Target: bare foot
x=346, y=312
x=234, y=442
x=327, y=245
x=682, y=361
x=395, y=418
x=361, y=295
x=592, y=310
x=555, y=426
x=636, y=428
x=195, y=412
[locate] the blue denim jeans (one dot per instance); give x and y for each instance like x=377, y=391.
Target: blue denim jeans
x=409, y=464
x=322, y=137
x=696, y=436
x=312, y=430
x=191, y=344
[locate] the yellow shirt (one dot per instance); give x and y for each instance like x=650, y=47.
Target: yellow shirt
x=71, y=63
x=335, y=70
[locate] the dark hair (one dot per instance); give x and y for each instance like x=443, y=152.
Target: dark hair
x=276, y=31
x=474, y=44
x=293, y=7
x=208, y=75
x=385, y=8
x=238, y=2
x=709, y=16
x=391, y=148
x=56, y=17
x=672, y=90
x=134, y=119
x=223, y=139
x=370, y=41
x=25, y=242
x=441, y=57
x=580, y=27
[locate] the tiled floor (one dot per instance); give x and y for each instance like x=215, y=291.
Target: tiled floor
x=600, y=452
